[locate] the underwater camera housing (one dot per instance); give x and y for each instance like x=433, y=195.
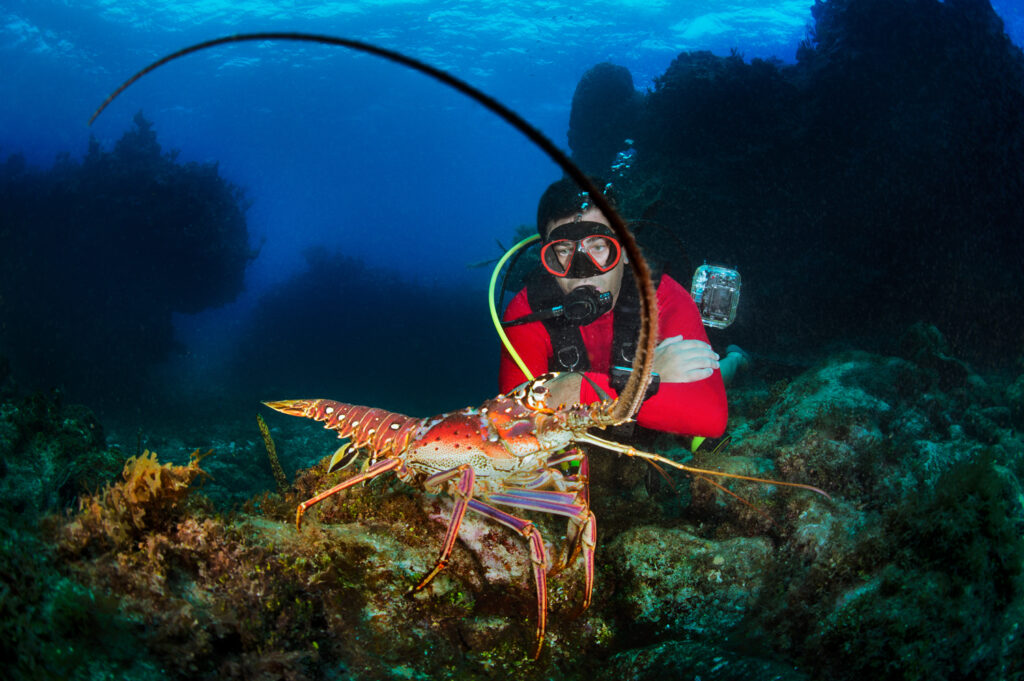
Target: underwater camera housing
x=716, y=290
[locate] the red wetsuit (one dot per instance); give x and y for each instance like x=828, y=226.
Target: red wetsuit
x=697, y=408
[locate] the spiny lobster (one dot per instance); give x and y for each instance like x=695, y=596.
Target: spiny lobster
x=509, y=450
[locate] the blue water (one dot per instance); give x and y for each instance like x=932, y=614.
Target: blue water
x=346, y=151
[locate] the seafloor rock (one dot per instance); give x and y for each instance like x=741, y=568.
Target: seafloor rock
x=940, y=594
x=50, y=453
x=914, y=570
x=673, y=583
x=870, y=428
x=694, y=660
x=261, y=598
x=925, y=346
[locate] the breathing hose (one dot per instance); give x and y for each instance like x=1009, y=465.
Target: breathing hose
x=494, y=310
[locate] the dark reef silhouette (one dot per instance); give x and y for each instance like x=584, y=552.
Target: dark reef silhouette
x=343, y=329
x=876, y=182
x=96, y=256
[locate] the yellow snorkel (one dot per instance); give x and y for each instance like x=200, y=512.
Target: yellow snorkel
x=494, y=311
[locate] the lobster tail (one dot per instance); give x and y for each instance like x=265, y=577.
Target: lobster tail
x=385, y=433
x=293, y=407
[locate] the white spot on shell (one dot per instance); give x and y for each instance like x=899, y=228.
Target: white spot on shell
x=329, y=410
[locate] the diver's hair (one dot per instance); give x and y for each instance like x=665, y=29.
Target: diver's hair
x=563, y=199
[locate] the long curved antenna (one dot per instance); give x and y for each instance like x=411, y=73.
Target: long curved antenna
x=632, y=394
x=699, y=472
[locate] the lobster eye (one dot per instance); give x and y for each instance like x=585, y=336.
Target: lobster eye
x=537, y=398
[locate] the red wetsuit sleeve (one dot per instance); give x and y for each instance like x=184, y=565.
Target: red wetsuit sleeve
x=697, y=408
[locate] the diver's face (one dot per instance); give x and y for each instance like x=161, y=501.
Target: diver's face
x=611, y=280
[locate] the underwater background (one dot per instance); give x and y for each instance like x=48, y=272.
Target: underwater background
x=276, y=220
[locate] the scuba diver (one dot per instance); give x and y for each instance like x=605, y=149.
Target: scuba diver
x=579, y=313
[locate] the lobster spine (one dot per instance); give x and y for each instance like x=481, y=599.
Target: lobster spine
x=386, y=433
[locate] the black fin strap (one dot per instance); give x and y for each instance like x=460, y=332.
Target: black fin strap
x=627, y=321
x=600, y=392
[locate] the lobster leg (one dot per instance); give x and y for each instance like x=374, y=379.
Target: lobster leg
x=583, y=477
x=581, y=534
x=580, y=517
x=373, y=471
x=586, y=538
x=537, y=556
x=463, y=494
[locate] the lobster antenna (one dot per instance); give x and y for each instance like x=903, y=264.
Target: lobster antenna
x=699, y=472
x=632, y=394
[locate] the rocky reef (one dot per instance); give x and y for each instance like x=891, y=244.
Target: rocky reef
x=913, y=569
x=51, y=451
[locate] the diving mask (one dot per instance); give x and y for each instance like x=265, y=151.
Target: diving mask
x=578, y=250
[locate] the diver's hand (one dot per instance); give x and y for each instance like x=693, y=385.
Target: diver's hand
x=684, y=361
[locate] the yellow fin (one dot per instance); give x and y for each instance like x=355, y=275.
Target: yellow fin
x=343, y=458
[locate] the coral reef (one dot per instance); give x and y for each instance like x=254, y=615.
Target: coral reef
x=595, y=140
x=912, y=571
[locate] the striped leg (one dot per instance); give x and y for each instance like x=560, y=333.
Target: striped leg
x=580, y=516
x=463, y=494
x=580, y=533
x=586, y=538
x=576, y=490
x=537, y=556
x=373, y=471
